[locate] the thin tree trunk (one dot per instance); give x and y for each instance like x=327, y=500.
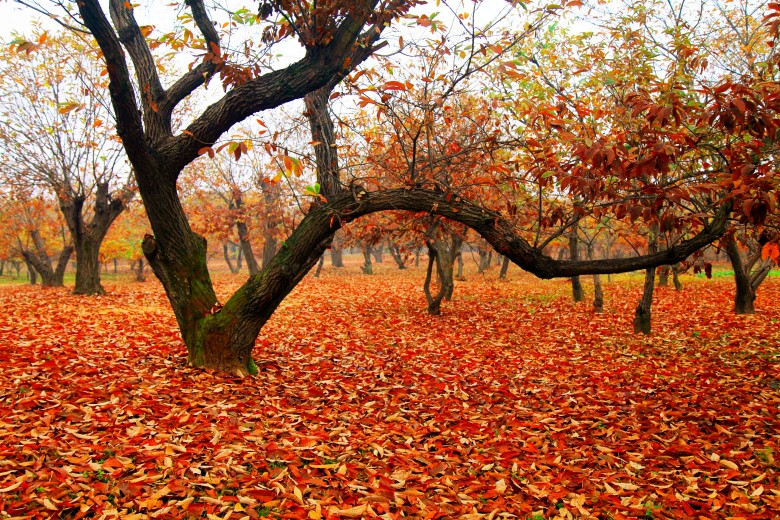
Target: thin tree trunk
x=434, y=302
x=484, y=259
x=460, y=276
x=577, y=291
x=31, y=274
x=676, y=280
x=226, y=253
x=377, y=252
x=319, y=266
x=367, y=267
x=246, y=252
x=504, y=268
x=239, y=259
x=643, y=314
x=336, y=253
x=140, y=274
x=598, y=291
x=663, y=275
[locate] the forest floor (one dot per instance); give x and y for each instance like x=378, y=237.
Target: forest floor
x=514, y=403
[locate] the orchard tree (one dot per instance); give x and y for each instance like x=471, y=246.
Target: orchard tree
x=34, y=229
x=57, y=133
x=331, y=35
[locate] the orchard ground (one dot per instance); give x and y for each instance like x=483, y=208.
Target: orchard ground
x=514, y=403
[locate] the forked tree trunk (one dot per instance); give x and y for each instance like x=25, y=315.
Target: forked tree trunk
x=395, y=252
x=51, y=276
x=577, y=292
x=434, y=302
x=643, y=314
x=88, y=236
x=748, y=275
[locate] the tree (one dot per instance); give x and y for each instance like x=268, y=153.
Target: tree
x=750, y=270
x=222, y=336
x=62, y=139
x=35, y=231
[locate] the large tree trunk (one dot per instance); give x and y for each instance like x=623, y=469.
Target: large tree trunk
x=88, y=236
x=336, y=256
x=745, y=297
x=577, y=291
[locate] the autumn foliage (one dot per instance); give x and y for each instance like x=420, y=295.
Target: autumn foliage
x=515, y=402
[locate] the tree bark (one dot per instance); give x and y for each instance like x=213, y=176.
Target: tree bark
x=222, y=337
x=678, y=286
x=460, y=275
x=31, y=273
x=336, y=252
x=577, y=291
x=226, y=253
x=663, y=275
x=319, y=266
x=598, y=291
x=140, y=274
x=271, y=197
x=38, y=260
x=367, y=267
x=395, y=252
x=745, y=296
x=377, y=252
x=643, y=314
x=504, y=268
x=88, y=236
x=484, y=260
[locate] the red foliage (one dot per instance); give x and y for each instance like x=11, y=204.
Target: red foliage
x=514, y=401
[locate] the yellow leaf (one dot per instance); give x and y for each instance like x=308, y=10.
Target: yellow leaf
x=352, y=512
x=728, y=464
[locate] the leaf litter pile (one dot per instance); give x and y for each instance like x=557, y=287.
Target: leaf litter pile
x=515, y=403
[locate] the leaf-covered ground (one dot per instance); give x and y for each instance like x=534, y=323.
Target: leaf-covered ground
x=515, y=403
